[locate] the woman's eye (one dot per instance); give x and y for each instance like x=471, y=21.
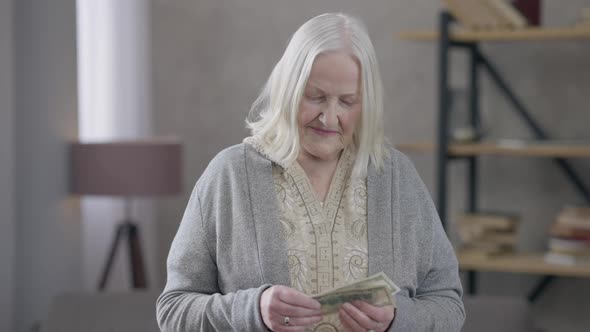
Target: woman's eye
x=317, y=98
x=348, y=102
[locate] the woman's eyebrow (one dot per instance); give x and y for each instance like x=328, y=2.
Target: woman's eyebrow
x=314, y=87
x=311, y=87
x=350, y=95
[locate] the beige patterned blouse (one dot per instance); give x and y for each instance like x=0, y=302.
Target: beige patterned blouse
x=326, y=242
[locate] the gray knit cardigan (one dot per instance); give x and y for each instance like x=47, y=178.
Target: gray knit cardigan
x=228, y=248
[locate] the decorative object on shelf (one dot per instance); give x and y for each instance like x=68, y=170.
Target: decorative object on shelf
x=569, y=241
x=487, y=234
x=531, y=9
x=466, y=134
x=126, y=169
x=486, y=14
x=460, y=130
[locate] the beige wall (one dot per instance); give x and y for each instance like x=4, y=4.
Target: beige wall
x=212, y=57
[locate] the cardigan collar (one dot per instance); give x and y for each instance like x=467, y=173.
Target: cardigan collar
x=272, y=252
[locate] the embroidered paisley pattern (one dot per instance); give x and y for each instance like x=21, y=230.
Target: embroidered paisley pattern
x=357, y=266
x=326, y=243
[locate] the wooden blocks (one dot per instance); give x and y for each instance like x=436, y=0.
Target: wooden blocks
x=486, y=14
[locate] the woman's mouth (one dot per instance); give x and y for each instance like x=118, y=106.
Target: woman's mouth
x=324, y=132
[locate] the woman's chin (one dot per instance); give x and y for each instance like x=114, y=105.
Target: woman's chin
x=323, y=153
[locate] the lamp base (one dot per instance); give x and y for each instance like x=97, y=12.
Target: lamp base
x=126, y=230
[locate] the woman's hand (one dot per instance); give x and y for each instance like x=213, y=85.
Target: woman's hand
x=286, y=309
x=360, y=316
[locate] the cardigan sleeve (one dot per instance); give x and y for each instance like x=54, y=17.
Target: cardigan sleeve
x=191, y=300
x=436, y=304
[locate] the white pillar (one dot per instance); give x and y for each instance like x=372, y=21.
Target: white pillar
x=115, y=103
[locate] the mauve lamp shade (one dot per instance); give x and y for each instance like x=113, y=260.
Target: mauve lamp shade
x=128, y=168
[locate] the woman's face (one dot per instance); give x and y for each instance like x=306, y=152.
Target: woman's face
x=330, y=107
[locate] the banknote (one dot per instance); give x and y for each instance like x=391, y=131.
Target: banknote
x=379, y=279
x=377, y=290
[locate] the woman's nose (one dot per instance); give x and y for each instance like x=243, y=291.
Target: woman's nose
x=329, y=116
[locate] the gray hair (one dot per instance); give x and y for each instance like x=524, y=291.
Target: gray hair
x=273, y=115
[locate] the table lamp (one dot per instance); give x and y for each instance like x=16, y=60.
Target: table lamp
x=127, y=169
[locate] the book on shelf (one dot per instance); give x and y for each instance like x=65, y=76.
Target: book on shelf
x=482, y=254
x=504, y=238
x=461, y=13
x=569, y=246
x=561, y=230
x=509, y=16
x=469, y=233
x=485, y=17
x=567, y=259
x=585, y=15
x=473, y=14
x=487, y=234
x=530, y=9
x=488, y=246
x=569, y=241
x=575, y=216
x=498, y=221
x=584, y=19
x=486, y=14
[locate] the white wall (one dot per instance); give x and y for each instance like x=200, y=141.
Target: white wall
x=6, y=168
x=47, y=228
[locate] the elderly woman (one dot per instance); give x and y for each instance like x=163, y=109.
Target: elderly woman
x=312, y=201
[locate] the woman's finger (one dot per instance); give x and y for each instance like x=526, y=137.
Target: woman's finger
x=348, y=321
x=293, y=324
x=299, y=321
x=280, y=315
x=282, y=308
x=287, y=301
x=380, y=314
x=296, y=298
x=360, y=317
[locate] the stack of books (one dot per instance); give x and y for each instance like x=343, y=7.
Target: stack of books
x=569, y=241
x=487, y=234
x=486, y=14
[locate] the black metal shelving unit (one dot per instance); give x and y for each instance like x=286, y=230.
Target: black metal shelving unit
x=478, y=64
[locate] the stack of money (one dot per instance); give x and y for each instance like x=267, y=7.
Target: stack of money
x=377, y=290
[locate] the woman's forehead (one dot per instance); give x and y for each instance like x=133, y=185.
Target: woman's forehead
x=337, y=71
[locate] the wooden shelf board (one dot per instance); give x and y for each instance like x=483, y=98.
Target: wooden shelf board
x=520, y=263
x=507, y=147
x=530, y=34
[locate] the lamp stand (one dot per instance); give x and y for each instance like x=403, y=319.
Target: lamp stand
x=127, y=230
